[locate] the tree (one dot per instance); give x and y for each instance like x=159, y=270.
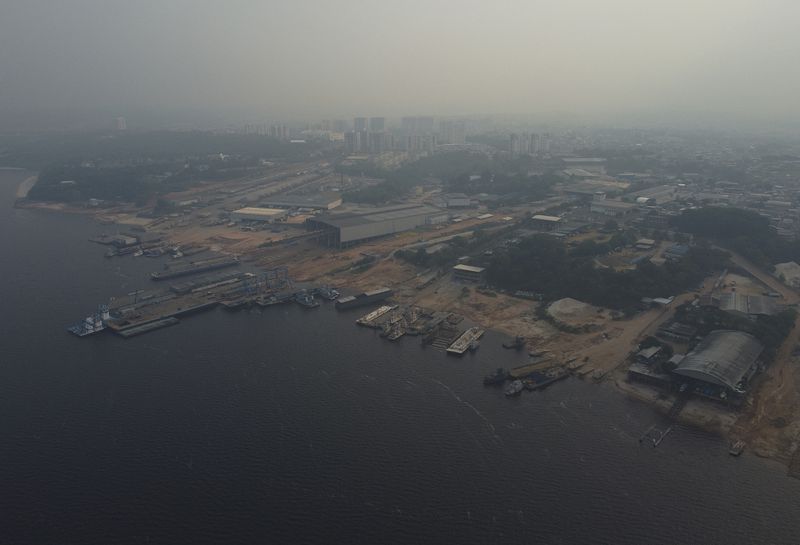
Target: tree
x=611, y=225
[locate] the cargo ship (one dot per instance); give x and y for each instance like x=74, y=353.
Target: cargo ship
x=362, y=299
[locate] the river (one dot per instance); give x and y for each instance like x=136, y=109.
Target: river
x=296, y=426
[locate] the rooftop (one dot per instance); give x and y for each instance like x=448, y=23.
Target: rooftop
x=388, y=213
x=469, y=268
x=542, y=217
x=723, y=358
x=260, y=211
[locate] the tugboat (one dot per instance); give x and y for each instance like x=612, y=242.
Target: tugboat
x=496, y=378
x=737, y=448
x=306, y=299
x=519, y=342
x=514, y=388
x=328, y=293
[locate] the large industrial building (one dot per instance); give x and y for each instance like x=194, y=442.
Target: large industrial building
x=323, y=201
x=349, y=228
x=608, y=207
x=468, y=273
x=747, y=305
x=725, y=359
x=268, y=215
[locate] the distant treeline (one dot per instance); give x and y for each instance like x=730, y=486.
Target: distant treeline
x=542, y=264
x=743, y=231
x=137, y=166
x=770, y=330
x=37, y=151
x=454, y=169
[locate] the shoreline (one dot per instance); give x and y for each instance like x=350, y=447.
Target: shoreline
x=27, y=184
x=715, y=420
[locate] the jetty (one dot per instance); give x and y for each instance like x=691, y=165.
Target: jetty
x=371, y=319
x=465, y=341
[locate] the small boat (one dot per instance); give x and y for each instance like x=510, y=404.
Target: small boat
x=737, y=448
x=306, y=299
x=496, y=378
x=514, y=388
x=518, y=343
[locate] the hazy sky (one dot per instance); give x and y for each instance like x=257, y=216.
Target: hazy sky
x=284, y=59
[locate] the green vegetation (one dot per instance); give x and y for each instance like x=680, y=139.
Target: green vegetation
x=511, y=187
x=541, y=264
x=40, y=150
x=454, y=169
x=138, y=166
x=743, y=231
x=456, y=247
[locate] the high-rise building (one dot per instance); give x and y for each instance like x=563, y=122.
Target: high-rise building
x=279, y=131
x=360, y=124
x=121, y=124
x=339, y=125
x=377, y=124
x=452, y=132
x=417, y=124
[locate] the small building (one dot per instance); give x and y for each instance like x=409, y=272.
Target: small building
x=645, y=244
x=547, y=223
x=457, y=200
x=648, y=355
x=611, y=208
x=268, y=215
x=677, y=331
x=676, y=252
x=468, y=273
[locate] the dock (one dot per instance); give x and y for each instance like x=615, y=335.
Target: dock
x=195, y=267
x=147, y=327
x=465, y=341
x=539, y=381
x=370, y=319
x=525, y=370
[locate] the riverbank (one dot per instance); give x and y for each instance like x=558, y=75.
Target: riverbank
x=603, y=348
x=26, y=185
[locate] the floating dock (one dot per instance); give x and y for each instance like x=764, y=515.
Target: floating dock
x=196, y=267
x=538, y=381
x=362, y=299
x=463, y=343
x=146, y=328
x=369, y=320
x=525, y=370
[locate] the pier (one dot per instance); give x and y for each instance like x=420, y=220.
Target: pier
x=371, y=319
x=465, y=341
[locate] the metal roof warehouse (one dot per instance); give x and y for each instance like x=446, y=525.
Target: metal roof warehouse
x=724, y=358
x=349, y=228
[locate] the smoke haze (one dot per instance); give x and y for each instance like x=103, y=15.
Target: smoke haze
x=306, y=59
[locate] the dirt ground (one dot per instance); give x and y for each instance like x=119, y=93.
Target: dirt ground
x=769, y=422
x=742, y=284
x=576, y=313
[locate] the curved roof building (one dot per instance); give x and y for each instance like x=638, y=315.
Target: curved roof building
x=723, y=358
